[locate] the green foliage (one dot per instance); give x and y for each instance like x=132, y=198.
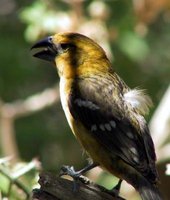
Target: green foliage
x=16, y=180
x=37, y=16
x=135, y=47
x=5, y=184
x=107, y=181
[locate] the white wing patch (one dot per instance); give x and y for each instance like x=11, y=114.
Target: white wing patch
x=94, y=127
x=104, y=127
x=108, y=127
x=87, y=104
x=130, y=134
x=101, y=126
x=138, y=100
x=113, y=124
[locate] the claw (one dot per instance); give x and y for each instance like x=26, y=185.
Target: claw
x=70, y=171
x=67, y=170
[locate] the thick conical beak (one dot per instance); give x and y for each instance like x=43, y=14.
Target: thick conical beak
x=48, y=51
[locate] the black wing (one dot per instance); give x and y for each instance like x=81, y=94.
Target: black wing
x=114, y=131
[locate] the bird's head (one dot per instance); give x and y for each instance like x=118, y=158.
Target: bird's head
x=69, y=49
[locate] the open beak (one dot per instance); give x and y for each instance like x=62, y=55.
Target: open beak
x=48, y=51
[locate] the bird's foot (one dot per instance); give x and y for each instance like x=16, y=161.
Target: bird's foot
x=76, y=175
x=69, y=170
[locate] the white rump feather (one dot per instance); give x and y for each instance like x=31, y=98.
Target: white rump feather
x=139, y=100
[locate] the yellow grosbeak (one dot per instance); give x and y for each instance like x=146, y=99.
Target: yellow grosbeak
x=104, y=114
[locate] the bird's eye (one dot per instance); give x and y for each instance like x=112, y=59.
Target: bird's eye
x=65, y=46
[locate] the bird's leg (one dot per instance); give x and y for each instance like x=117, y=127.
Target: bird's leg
x=116, y=189
x=77, y=175
x=69, y=170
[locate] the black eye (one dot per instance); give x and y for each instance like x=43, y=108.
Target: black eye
x=65, y=46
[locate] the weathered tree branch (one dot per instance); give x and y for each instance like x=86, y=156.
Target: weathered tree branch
x=9, y=112
x=56, y=188
x=30, y=105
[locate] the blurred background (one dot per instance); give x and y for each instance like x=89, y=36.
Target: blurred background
x=136, y=37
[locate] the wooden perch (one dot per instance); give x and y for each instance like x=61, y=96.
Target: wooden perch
x=56, y=188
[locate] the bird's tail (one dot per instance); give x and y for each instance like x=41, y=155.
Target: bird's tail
x=148, y=191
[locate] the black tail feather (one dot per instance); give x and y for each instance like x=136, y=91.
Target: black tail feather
x=149, y=191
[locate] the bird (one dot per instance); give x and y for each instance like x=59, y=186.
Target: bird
x=105, y=115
